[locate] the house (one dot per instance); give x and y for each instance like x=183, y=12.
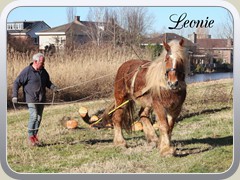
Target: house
x=209, y=50
x=168, y=37
x=76, y=33
x=158, y=40
x=24, y=30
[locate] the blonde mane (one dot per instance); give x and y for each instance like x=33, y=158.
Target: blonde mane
x=155, y=77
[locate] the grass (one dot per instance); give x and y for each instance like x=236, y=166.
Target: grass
x=203, y=138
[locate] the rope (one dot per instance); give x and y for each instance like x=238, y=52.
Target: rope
x=68, y=87
x=110, y=112
x=53, y=97
x=58, y=103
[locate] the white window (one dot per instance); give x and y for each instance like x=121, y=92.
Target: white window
x=15, y=26
x=10, y=26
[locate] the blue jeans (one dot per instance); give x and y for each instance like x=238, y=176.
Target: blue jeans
x=35, y=112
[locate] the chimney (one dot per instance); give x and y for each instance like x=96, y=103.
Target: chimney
x=194, y=38
x=77, y=19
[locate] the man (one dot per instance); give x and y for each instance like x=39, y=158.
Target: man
x=34, y=79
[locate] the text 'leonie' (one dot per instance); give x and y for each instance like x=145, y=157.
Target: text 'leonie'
x=182, y=22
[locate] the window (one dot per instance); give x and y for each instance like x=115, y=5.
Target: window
x=35, y=40
x=15, y=26
x=10, y=26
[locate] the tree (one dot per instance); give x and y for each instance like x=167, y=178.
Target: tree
x=136, y=21
x=119, y=25
x=95, y=29
x=225, y=29
x=71, y=13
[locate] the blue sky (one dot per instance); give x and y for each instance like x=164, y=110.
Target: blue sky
x=55, y=16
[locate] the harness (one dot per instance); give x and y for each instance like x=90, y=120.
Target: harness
x=140, y=92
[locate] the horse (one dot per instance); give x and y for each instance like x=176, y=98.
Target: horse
x=157, y=86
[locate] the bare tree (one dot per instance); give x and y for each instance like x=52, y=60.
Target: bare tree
x=136, y=21
x=119, y=25
x=71, y=13
x=114, y=33
x=225, y=29
x=95, y=29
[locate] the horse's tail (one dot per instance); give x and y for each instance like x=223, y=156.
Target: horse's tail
x=127, y=117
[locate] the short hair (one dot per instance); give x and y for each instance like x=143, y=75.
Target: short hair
x=36, y=57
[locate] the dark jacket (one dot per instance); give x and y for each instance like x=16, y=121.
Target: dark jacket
x=34, y=84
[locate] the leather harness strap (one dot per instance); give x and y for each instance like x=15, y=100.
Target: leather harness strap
x=140, y=92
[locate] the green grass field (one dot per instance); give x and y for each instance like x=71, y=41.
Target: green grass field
x=203, y=139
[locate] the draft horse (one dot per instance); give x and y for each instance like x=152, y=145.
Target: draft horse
x=157, y=86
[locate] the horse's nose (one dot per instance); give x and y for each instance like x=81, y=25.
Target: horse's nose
x=173, y=85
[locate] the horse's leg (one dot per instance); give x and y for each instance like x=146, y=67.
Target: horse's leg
x=118, y=136
x=147, y=126
x=171, y=122
x=164, y=141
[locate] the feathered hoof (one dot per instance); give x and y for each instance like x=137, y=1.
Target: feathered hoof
x=167, y=152
x=121, y=144
x=152, y=144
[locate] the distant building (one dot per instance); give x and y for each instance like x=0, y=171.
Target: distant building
x=202, y=49
x=209, y=50
x=168, y=37
x=75, y=33
x=22, y=30
x=190, y=46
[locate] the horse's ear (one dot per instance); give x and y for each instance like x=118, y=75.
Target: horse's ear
x=166, y=46
x=181, y=42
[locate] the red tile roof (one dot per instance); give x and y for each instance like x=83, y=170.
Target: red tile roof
x=166, y=37
x=214, y=43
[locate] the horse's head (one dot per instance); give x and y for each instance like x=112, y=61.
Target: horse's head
x=174, y=65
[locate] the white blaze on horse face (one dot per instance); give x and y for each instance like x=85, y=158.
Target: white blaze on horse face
x=174, y=60
x=172, y=79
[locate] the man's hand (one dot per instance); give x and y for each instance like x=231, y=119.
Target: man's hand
x=55, y=89
x=15, y=100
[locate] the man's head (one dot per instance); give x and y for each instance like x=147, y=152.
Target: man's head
x=38, y=61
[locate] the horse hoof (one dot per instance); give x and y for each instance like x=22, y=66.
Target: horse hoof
x=167, y=152
x=152, y=144
x=121, y=144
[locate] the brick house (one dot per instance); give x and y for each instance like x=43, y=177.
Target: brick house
x=209, y=51
x=202, y=49
x=24, y=30
x=168, y=37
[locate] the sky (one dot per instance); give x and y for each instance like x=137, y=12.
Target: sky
x=56, y=16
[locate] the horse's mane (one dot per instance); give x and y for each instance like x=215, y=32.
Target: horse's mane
x=155, y=77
